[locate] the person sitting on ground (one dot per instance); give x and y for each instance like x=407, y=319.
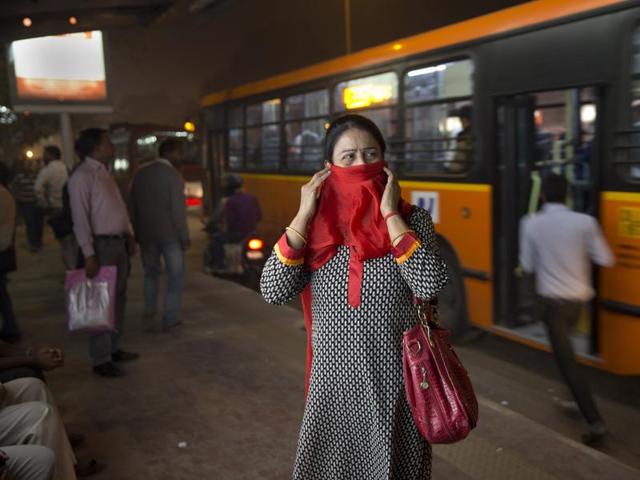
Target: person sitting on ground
x=240, y=215
x=27, y=462
x=19, y=362
x=29, y=416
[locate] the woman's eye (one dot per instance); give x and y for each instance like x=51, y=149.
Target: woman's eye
x=371, y=155
x=348, y=157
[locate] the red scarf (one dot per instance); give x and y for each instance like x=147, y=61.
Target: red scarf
x=348, y=214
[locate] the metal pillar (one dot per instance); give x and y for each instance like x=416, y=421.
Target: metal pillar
x=66, y=132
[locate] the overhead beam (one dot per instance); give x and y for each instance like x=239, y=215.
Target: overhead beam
x=14, y=7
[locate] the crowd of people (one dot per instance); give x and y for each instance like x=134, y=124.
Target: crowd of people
x=95, y=227
x=359, y=255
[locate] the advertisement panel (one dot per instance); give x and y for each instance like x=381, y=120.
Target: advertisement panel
x=60, y=69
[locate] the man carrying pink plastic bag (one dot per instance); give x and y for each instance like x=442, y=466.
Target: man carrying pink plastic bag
x=103, y=231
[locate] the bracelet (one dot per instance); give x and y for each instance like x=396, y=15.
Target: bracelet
x=401, y=234
x=390, y=214
x=291, y=229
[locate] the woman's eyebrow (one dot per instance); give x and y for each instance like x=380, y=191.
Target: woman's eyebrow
x=355, y=149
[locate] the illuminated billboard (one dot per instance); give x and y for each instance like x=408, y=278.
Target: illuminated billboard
x=60, y=69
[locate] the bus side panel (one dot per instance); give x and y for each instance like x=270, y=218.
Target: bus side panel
x=620, y=216
x=462, y=214
x=279, y=198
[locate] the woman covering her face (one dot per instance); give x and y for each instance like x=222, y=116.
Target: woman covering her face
x=359, y=254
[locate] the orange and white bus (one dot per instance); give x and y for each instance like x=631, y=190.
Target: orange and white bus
x=473, y=114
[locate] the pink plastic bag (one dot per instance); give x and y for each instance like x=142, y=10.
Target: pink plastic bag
x=91, y=302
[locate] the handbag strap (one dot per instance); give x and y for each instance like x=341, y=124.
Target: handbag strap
x=427, y=315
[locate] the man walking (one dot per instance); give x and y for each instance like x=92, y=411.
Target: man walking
x=103, y=232
x=558, y=245
x=49, y=187
x=158, y=215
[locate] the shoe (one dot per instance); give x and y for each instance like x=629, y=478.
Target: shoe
x=595, y=435
x=77, y=440
x=122, y=356
x=108, y=369
x=86, y=469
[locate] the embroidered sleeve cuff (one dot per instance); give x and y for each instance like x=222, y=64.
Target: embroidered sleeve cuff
x=406, y=247
x=286, y=254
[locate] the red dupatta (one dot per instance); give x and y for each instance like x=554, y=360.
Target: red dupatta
x=348, y=213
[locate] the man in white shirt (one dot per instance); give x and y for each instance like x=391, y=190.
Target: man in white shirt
x=51, y=179
x=49, y=187
x=559, y=245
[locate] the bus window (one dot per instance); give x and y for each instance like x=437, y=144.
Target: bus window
x=306, y=116
x=374, y=97
x=367, y=92
x=438, y=120
x=631, y=171
x=263, y=136
x=236, y=138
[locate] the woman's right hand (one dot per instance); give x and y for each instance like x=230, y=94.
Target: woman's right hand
x=309, y=194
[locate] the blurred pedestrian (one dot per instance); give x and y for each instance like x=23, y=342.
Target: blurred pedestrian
x=158, y=215
x=23, y=188
x=10, y=330
x=49, y=188
x=558, y=245
x=102, y=229
x=360, y=254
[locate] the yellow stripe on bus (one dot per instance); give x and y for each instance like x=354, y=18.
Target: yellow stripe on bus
x=621, y=196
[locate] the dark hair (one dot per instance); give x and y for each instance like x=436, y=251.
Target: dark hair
x=554, y=188
x=4, y=174
x=167, y=146
x=53, y=151
x=88, y=141
x=464, y=112
x=347, y=122
x=230, y=183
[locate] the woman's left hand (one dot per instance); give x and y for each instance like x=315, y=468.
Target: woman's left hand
x=391, y=195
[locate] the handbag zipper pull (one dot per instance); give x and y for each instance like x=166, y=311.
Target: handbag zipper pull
x=424, y=384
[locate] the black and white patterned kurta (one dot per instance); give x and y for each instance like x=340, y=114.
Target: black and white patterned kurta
x=357, y=424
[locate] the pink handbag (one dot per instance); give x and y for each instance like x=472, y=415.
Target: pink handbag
x=438, y=389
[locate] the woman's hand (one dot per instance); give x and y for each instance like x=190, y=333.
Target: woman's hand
x=308, y=202
x=309, y=195
x=391, y=195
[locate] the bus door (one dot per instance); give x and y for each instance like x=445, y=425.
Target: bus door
x=554, y=131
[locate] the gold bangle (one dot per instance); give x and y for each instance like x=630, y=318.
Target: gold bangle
x=297, y=233
x=399, y=235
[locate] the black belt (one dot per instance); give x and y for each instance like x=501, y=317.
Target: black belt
x=122, y=236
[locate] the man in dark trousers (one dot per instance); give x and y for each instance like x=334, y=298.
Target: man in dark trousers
x=158, y=215
x=559, y=245
x=102, y=229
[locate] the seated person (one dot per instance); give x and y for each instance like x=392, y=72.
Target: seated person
x=28, y=416
x=18, y=362
x=236, y=217
x=27, y=462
